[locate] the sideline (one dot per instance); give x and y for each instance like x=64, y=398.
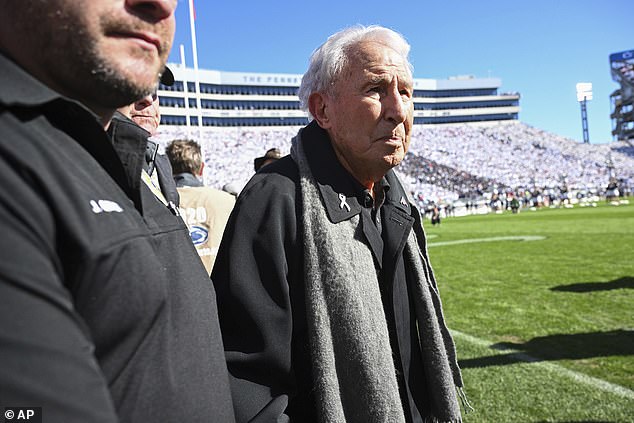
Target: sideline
x=492, y=239
x=576, y=376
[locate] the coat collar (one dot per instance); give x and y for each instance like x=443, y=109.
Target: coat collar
x=25, y=94
x=21, y=89
x=396, y=195
x=343, y=196
x=187, y=180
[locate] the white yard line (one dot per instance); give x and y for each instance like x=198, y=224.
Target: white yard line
x=491, y=239
x=576, y=376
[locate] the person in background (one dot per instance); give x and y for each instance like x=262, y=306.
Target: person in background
x=106, y=313
x=435, y=215
x=205, y=210
x=146, y=114
x=328, y=304
x=271, y=156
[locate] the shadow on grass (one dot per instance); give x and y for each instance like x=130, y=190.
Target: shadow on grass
x=626, y=282
x=558, y=347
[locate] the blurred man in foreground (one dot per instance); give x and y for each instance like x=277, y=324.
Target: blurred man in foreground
x=205, y=210
x=328, y=305
x=102, y=319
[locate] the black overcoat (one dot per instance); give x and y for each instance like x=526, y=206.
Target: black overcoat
x=258, y=276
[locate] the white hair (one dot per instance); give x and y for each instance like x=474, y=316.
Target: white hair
x=330, y=59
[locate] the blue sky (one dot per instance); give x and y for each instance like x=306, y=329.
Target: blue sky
x=540, y=48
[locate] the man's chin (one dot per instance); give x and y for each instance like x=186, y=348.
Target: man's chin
x=139, y=83
x=133, y=79
x=393, y=160
x=118, y=91
x=134, y=64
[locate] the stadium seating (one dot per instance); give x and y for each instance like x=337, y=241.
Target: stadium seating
x=444, y=162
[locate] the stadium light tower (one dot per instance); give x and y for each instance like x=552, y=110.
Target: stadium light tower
x=622, y=99
x=584, y=93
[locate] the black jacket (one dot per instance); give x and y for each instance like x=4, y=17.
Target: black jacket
x=106, y=312
x=258, y=276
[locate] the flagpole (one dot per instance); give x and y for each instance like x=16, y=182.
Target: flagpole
x=192, y=18
x=185, y=91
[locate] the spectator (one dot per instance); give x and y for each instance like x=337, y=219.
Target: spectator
x=445, y=163
x=271, y=156
x=205, y=210
x=435, y=217
x=146, y=114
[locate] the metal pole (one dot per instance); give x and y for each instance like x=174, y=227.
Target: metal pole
x=584, y=121
x=197, y=80
x=185, y=91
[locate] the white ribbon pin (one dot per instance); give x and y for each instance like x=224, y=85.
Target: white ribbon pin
x=403, y=201
x=343, y=202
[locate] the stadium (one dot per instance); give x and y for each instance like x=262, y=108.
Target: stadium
x=539, y=302
x=253, y=99
x=329, y=298
x=468, y=145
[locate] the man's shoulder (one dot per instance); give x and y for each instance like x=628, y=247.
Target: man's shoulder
x=285, y=167
x=31, y=139
x=207, y=192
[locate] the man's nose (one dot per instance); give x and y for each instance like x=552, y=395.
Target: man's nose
x=144, y=102
x=396, y=105
x=155, y=9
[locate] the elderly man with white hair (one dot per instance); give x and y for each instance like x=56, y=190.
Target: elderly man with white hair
x=327, y=302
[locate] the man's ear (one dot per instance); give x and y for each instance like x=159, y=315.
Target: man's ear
x=202, y=167
x=318, y=107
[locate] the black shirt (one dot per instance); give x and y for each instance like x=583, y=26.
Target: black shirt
x=106, y=312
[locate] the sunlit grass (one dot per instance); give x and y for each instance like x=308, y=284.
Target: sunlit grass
x=552, y=308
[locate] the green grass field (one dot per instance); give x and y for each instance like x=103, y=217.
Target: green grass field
x=544, y=327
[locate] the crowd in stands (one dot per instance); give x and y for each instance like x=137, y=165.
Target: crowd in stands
x=229, y=152
x=445, y=163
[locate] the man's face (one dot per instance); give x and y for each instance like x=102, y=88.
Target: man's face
x=369, y=113
x=104, y=53
x=144, y=113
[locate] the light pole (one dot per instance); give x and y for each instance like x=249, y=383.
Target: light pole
x=584, y=93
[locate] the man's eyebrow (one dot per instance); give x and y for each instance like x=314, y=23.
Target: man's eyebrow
x=376, y=79
x=382, y=78
x=379, y=77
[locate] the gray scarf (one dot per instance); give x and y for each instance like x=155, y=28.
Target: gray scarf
x=354, y=374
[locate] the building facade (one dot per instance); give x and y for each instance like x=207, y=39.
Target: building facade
x=262, y=99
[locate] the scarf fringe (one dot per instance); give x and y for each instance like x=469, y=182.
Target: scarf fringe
x=435, y=420
x=465, y=401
